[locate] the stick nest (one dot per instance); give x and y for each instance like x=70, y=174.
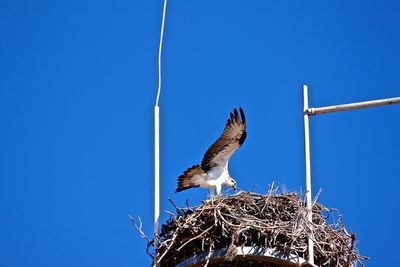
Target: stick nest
x=277, y=221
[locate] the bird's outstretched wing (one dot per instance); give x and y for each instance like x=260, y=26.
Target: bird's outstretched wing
x=192, y=177
x=231, y=139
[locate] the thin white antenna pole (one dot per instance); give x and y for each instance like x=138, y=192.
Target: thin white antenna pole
x=160, y=50
x=308, y=171
x=156, y=173
x=157, y=143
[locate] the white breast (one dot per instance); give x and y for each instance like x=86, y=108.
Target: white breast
x=216, y=176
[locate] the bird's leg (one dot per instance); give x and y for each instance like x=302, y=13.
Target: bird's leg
x=212, y=192
x=219, y=189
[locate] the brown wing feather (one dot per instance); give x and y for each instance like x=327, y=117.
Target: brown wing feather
x=190, y=178
x=230, y=140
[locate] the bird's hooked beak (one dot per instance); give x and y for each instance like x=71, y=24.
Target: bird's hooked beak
x=233, y=184
x=235, y=188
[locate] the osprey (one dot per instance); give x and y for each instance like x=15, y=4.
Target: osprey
x=213, y=171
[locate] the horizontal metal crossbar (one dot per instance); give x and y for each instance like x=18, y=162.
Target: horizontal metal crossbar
x=351, y=106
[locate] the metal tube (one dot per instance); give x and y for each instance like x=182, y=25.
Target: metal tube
x=308, y=170
x=156, y=177
x=157, y=144
x=351, y=106
x=160, y=51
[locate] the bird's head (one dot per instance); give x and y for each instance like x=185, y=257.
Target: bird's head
x=231, y=182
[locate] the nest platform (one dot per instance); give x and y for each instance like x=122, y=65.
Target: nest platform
x=248, y=229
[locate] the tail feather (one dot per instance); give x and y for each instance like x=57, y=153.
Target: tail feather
x=189, y=178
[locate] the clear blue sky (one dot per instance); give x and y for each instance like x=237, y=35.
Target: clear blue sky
x=77, y=89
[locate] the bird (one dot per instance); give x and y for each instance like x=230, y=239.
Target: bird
x=213, y=172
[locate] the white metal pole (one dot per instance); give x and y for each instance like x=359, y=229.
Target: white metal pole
x=157, y=144
x=323, y=110
x=308, y=170
x=160, y=51
x=156, y=173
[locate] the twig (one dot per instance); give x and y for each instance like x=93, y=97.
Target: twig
x=142, y=234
